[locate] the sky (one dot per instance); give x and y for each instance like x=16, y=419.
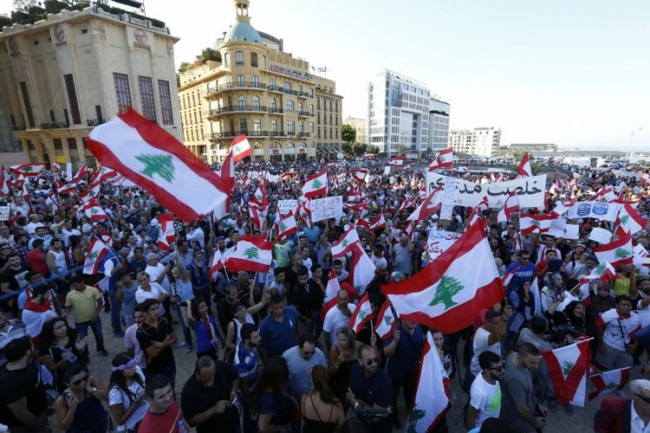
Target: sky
x=576, y=73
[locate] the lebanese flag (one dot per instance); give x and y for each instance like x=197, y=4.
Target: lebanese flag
x=331, y=293
x=103, y=175
x=407, y=203
x=25, y=193
x=617, y=253
x=444, y=159
x=94, y=211
x=510, y=206
x=444, y=295
x=241, y=148
x=507, y=277
x=528, y=223
x=607, y=194
x=477, y=211
x=304, y=212
x=608, y=382
x=51, y=201
x=167, y=232
x=377, y=223
x=359, y=174
x=315, y=185
x=429, y=206
x=397, y=162
x=561, y=208
x=629, y=221
x=97, y=254
x=83, y=170
x=4, y=186
x=216, y=264
x=258, y=216
x=286, y=226
x=288, y=174
x=259, y=199
x=91, y=194
x=146, y=154
x=27, y=169
x=252, y=253
x=385, y=323
x=344, y=245
x=432, y=395
x=568, y=367
x=525, y=169
x=227, y=171
x=362, y=314
x=362, y=270
x=67, y=188
x=603, y=272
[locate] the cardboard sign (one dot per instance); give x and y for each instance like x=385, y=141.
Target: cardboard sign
x=68, y=171
x=601, y=236
x=326, y=208
x=286, y=206
x=439, y=241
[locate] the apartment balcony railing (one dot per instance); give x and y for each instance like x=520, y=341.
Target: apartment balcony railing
x=55, y=125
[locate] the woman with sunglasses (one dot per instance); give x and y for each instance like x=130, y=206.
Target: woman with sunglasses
x=79, y=409
x=126, y=397
x=60, y=347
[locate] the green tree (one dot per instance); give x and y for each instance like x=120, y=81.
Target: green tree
x=209, y=54
x=157, y=164
x=446, y=290
x=348, y=133
x=347, y=148
x=24, y=5
x=184, y=67
x=359, y=149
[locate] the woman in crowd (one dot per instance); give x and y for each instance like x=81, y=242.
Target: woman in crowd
x=126, y=398
x=523, y=308
x=552, y=291
x=576, y=314
x=79, y=409
x=277, y=408
x=321, y=411
x=444, y=352
x=341, y=358
x=60, y=347
x=600, y=302
x=202, y=320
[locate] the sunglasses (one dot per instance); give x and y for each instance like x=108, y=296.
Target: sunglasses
x=499, y=368
x=645, y=399
x=80, y=381
x=369, y=362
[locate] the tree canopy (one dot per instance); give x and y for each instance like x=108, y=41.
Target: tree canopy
x=348, y=133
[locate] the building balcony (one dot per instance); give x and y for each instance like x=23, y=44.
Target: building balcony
x=210, y=113
x=304, y=134
x=273, y=88
x=18, y=128
x=303, y=94
x=242, y=85
x=210, y=93
x=276, y=110
x=276, y=133
x=258, y=134
x=242, y=109
x=305, y=114
x=94, y=122
x=55, y=125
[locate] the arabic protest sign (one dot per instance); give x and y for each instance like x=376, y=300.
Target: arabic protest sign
x=68, y=171
x=387, y=170
x=4, y=213
x=530, y=190
x=325, y=208
x=448, y=198
x=286, y=206
x=594, y=209
x=439, y=241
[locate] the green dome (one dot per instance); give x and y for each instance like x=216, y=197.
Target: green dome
x=243, y=31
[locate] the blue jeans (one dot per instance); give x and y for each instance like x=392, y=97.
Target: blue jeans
x=96, y=326
x=116, y=313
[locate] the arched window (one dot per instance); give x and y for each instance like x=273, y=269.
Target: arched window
x=311, y=109
x=256, y=102
x=300, y=106
x=241, y=80
x=242, y=102
x=290, y=105
x=274, y=104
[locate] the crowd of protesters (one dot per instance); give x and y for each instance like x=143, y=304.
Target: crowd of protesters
x=266, y=360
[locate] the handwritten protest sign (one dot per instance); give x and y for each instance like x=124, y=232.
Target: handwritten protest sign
x=439, y=241
x=286, y=206
x=448, y=191
x=325, y=208
x=4, y=213
x=530, y=190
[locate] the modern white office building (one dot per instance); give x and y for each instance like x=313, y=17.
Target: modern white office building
x=438, y=124
x=398, y=114
x=483, y=141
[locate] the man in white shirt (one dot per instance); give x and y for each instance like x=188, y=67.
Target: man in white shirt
x=488, y=337
x=131, y=343
x=377, y=257
x=336, y=318
x=485, y=393
x=616, y=329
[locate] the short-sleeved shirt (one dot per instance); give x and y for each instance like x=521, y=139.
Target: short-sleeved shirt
x=517, y=386
x=146, y=335
x=279, y=406
x=481, y=345
x=131, y=343
x=618, y=328
x=247, y=365
x=18, y=384
x=84, y=303
x=486, y=399
x=335, y=320
x=407, y=354
x=279, y=336
x=118, y=396
x=377, y=389
x=197, y=398
x=300, y=369
x=162, y=422
x=17, y=329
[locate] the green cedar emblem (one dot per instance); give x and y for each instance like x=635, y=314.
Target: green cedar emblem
x=157, y=164
x=388, y=319
x=252, y=253
x=534, y=223
x=93, y=255
x=344, y=243
x=600, y=269
x=316, y=184
x=568, y=367
x=624, y=219
x=415, y=417
x=445, y=292
x=282, y=227
x=94, y=211
x=622, y=253
x=28, y=169
x=362, y=314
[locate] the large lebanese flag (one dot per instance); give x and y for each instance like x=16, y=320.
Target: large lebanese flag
x=315, y=185
x=629, y=220
x=241, y=148
x=359, y=174
x=362, y=315
x=528, y=223
x=445, y=159
x=344, y=245
x=94, y=211
x=617, y=253
x=27, y=169
x=362, y=271
x=167, y=232
x=252, y=253
x=146, y=154
x=608, y=381
x=432, y=395
x=331, y=292
x=568, y=367
x=287, y=226
x=444, y=295
x=97, y=253
x=525, y=169
x=429, y=206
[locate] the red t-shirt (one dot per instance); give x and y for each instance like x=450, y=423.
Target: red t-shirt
x=162, y=422
x=37, y=262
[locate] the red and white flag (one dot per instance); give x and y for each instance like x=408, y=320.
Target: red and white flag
x=362, y=314
x=304, y=212
x=397, y=162
x=477, y=211
x=432, y=395
x=568, y=367
x=359, y=174
x=530, y=223
x=241, y=148
x=444, y=295
x=97, y=253
x=146, y=154
x=167, y=234
x=286, y=226
x=507, y=277
x=606, y=194
x=345, y=244
x=525, y=169
x=629, y=221
x=510, y=206
x=429, y=206
x=378, y=223
x=94, y=211
x=81, y=173
x=4, y=185
x=67, y=188
x=56, y=166
x=444, y=159
x=227, y=171
x=645, y=178
x=405, y=205
x=315, y=185
x=27, y=170
x=362, y=269
x=385, y=323
x=617, y=253
x=103, y=175
x=331, y=293
x=608, y=382
x=252, y=253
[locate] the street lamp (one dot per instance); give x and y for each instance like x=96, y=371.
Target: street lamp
x=629, y=146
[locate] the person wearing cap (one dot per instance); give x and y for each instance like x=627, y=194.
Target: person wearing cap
x=621, y=415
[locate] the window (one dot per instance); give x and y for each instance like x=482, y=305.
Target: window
x=254, y=60
x=331, y=135
x=274, y=126
x=287, y=87
x=274, y=104
x=242, y=102
x=311, y=127
x=146, y=97
x=165, y=102
x=257, y=126
x=318, y=132
x=272, y=84
x=300, y=107
x=300, y=90
x=241, y=80
x=255, y=80
x=239, y=58
x=256, y=103
x=301, y=127
x=290, y=105
x=122, y=91
x=311, y=109
x=226, y=59
x=291, y=127
x=72, y=99
x=311, y=93
x=243, y=126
